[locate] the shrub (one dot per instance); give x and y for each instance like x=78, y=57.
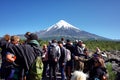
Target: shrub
x=111, y=73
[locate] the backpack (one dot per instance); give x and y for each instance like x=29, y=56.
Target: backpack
x=36, y=69
x=68, y=54
x=52, y=52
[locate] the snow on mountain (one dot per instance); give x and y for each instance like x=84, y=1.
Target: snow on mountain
x=62, y=24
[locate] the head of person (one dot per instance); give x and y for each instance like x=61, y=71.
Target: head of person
x=33, y=40
x=31, y=36
x=49, y=43
x=15, y=39
x=27, y=35
x=68, y=41
x=44, y=46
x=60, y=43
x=80, y=42
x=62, y=39
x=7, y=37
x=76, y=41
x=79, y=75
x=54, y=41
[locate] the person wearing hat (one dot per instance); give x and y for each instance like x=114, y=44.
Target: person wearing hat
x=32, y=39
x=27, y=34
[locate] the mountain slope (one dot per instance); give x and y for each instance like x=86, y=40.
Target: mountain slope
x=64, y=29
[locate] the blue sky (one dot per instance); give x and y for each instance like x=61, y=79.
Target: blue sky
x=101, y=17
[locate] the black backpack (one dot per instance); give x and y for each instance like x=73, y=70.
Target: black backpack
x=52, y=52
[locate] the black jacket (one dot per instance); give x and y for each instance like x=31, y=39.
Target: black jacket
x=24, y=55
x=63, y=54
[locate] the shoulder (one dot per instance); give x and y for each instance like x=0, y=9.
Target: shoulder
x=100, y=70
x=3, y=43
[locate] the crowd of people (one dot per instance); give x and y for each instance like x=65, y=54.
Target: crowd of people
x=18, y=57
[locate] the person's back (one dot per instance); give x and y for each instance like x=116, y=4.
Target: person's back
x=69, y=64
x=53, y=52
x=32, y=40
x=62, y=60
x=53, y=58
x=36, y=69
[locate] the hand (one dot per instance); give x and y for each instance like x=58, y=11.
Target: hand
x=76, y=57
x=104, y=77
x=63, y=64
x=56, y=59
x=10, y=57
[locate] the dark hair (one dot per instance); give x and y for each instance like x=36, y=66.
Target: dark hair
x=62, y=39
x=54, y=41
x=68, y=40
x=60, y=42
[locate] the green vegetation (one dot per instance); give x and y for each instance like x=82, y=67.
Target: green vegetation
x=42, y=42
x=111, y=73
x=103, y=45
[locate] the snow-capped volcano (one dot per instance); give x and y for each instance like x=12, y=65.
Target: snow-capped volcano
x=64, y=29
x=61, y=24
